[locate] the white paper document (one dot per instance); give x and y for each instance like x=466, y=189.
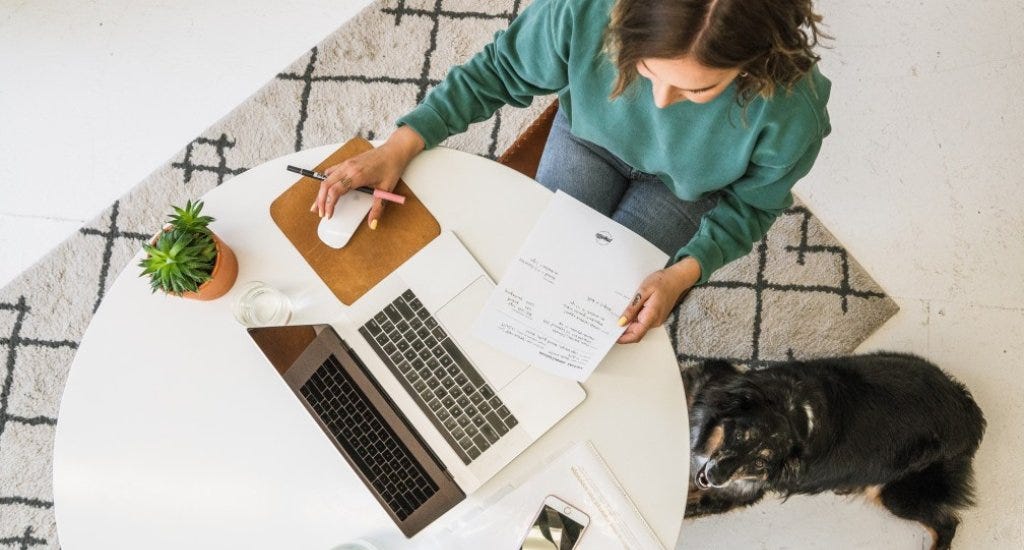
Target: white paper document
x=558, y=304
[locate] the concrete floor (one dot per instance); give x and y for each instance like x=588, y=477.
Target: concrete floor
x=919, y=180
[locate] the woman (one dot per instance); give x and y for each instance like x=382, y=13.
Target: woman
x=687, y=121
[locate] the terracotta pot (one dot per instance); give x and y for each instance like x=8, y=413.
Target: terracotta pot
x=225, y=271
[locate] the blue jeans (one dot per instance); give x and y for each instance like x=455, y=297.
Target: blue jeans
x=637, y=200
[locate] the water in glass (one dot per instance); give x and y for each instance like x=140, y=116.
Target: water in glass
x=261, y=305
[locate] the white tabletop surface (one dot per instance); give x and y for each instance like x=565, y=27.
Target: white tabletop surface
x=175, y=432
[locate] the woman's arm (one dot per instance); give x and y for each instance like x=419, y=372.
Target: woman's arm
x=529, y=58
x=745, y=212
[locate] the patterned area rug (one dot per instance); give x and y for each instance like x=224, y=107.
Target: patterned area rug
x=798, y=294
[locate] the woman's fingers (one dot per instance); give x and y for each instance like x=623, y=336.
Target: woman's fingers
x=647, y=309
x=321, y=198
x=334, y=192
x=645, y=319
x=641, y=296
x=388, y=183
x=650, y=316
x=634, y=316
x=373, y=218
x=634, y=333
x=336, y=184
x=319, y=205
x=364, y=170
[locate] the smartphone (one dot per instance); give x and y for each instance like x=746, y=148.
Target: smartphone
x=558, y=525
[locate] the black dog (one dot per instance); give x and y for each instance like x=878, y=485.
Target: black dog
x=890, y=425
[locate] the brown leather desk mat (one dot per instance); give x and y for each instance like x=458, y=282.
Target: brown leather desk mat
x=371, y=254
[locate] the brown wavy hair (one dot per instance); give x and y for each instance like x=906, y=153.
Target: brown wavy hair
x=770, y=41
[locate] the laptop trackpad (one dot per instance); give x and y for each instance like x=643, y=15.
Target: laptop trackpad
x=457, y=317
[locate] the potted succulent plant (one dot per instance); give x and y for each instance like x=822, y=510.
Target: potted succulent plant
x=186, y=259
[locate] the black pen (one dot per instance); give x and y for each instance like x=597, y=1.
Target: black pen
x=378, y=193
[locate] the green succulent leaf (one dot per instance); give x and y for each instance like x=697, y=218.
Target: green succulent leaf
x=190, y=218
x=183, y=256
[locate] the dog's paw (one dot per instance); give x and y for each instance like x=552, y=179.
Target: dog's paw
x=702, y=503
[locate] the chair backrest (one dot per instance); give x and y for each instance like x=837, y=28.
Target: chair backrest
x=524, y=154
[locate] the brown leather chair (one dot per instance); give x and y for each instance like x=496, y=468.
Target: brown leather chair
x=524, y=154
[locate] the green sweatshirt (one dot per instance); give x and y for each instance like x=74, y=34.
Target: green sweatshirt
x=753, y=158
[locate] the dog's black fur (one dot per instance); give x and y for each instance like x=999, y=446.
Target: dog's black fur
x=891, y=425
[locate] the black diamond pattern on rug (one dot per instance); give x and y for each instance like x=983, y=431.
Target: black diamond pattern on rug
x=721, y=284
x=10, y=344
x=110, y=235
x=422, y=83
x=220, y=145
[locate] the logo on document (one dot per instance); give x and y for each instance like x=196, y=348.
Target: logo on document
x=603, y=238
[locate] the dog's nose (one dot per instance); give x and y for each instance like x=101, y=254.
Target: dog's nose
x=701, y=480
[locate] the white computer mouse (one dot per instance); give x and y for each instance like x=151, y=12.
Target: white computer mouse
x=350, y=211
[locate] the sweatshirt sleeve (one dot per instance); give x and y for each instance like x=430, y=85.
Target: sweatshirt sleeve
x=527, y=59
x=744, y=213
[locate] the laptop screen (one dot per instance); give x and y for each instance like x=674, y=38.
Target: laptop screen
x=283, y=345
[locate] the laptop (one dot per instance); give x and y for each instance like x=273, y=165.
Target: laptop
x=423, y=411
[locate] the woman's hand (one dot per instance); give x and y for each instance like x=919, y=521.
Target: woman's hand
x=657, y=296
x=380, y=168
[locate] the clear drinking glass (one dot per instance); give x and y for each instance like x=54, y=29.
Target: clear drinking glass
x=356, y=545
x=261, y=305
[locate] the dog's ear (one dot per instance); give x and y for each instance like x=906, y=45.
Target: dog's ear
x=710, y=373
x=738, y=395
x=718, y=369
x=699, y=378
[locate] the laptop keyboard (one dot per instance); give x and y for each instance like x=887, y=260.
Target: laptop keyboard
x=377, y=451
x=461, y=405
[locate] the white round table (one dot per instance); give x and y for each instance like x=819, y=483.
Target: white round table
x=175, y=432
